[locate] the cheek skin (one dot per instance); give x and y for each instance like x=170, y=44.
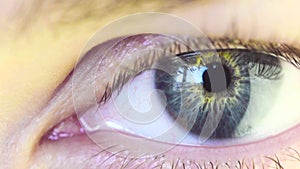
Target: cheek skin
x=32, y=65
x=28, y=79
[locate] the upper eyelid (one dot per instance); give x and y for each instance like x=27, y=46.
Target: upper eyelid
x=288, y=52
x=92, y=59
x=88, y=67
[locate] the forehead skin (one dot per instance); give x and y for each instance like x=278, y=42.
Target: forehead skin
x=40, y=43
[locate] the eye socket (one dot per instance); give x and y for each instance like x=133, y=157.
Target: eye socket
x=132, y=56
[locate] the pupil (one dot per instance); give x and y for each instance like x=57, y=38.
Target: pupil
x=216, y=78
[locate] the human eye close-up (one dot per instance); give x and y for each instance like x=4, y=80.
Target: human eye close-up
x=150, y=84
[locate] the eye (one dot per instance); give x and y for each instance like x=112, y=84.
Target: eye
x=164, y=90
x=183, y=94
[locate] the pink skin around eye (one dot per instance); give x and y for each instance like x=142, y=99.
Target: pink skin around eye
x=69, y=134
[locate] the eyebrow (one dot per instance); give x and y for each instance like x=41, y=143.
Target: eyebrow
x=70, y=12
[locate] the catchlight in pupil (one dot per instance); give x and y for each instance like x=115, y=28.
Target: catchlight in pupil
x=213, y=77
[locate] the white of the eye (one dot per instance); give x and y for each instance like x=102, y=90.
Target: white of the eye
x=274, y=105
x=138, y=98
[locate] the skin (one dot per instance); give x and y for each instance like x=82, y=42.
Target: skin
x=39, y=49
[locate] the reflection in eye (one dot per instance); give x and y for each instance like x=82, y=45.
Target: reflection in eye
x=247, y=70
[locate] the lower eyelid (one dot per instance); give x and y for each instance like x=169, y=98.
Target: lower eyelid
x=255, y=150
x=247, y=151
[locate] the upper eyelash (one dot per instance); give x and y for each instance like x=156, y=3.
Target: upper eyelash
x=280, y=50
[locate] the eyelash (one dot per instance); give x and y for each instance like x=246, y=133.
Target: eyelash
x=282, y=51
x=264, y=66
x=271, y=162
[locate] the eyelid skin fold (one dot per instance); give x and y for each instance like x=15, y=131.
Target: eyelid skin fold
x=92, y=71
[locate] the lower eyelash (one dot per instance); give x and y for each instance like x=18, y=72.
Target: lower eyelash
x=160, y=161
